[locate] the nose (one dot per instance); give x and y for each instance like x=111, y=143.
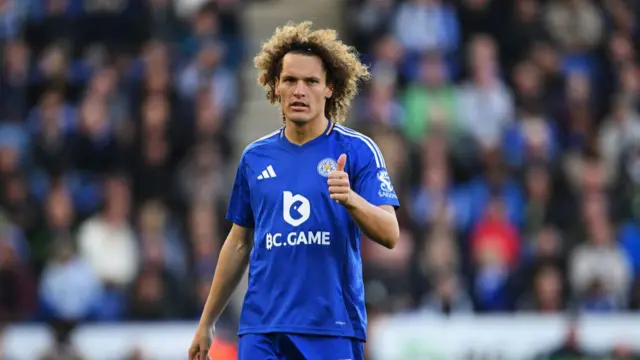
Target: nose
x=299, y=91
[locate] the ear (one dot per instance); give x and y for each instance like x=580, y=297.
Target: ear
x=276, y=83
x=328, y=92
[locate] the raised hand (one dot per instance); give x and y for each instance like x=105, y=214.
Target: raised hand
x=339, y=185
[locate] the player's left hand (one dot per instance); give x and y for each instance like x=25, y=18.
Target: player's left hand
x=339, y=185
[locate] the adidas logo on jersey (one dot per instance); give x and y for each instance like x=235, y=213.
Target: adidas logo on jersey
x=267, y=173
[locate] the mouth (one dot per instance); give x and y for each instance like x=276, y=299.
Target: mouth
x=298, y=106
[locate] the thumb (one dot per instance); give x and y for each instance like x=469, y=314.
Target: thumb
x=342, y=160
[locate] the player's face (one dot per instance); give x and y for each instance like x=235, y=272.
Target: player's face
x=302, y=88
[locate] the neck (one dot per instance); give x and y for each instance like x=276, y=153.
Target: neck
x=302, y=133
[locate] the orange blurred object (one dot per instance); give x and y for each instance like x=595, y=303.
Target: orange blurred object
x=221, y=350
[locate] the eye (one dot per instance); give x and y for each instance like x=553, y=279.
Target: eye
x=313, y=81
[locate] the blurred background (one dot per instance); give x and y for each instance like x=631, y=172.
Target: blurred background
x=510, y=128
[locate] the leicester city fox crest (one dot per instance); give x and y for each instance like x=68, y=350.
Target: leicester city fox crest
x=325, y=166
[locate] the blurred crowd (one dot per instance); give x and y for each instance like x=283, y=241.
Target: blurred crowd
x=512, y=131
x=114, y=124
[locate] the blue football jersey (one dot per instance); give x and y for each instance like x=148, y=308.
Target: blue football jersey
x=305, y=269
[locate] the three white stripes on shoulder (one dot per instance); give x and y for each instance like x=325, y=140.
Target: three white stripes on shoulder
x=267, y=173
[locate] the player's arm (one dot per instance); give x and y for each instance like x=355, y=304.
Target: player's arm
x=232, y=263
x=234, y=256
x=379, y=223
x=370, y=201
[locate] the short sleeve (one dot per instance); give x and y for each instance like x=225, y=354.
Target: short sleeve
x=371, y=179
x=239, y=210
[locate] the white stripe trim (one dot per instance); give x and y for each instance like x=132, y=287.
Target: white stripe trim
x=369, y=140
x=266, y=136
x=377, y=154
x=361, y=137
x=251, y=144
x=271, y=172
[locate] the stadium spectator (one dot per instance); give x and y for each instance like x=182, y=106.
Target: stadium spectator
x=485, y=101
x=432, y=103
x=107, y=241
x=427, y=25
x=17, y=300
x=449, y=296
x=69, y=289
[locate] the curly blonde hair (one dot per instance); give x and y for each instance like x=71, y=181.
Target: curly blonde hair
x=341, y=63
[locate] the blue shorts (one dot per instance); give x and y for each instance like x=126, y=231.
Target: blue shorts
x=279, y=346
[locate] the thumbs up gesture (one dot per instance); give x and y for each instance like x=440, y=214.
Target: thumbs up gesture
x=339, y=186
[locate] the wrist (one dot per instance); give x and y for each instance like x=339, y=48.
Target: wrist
x=207, y=322
x=210, y=329
x=353, y=201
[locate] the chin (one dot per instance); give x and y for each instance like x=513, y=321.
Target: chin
x=299, y=119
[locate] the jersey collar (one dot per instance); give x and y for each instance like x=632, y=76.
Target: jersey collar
x=308, y=144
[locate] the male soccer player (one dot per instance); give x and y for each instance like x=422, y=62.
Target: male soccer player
x=306, y=191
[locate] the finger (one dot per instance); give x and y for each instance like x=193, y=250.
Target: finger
x=338, y=189
x=339, y=197
x=338, y=175
x=342, y=161
x=338, y=182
